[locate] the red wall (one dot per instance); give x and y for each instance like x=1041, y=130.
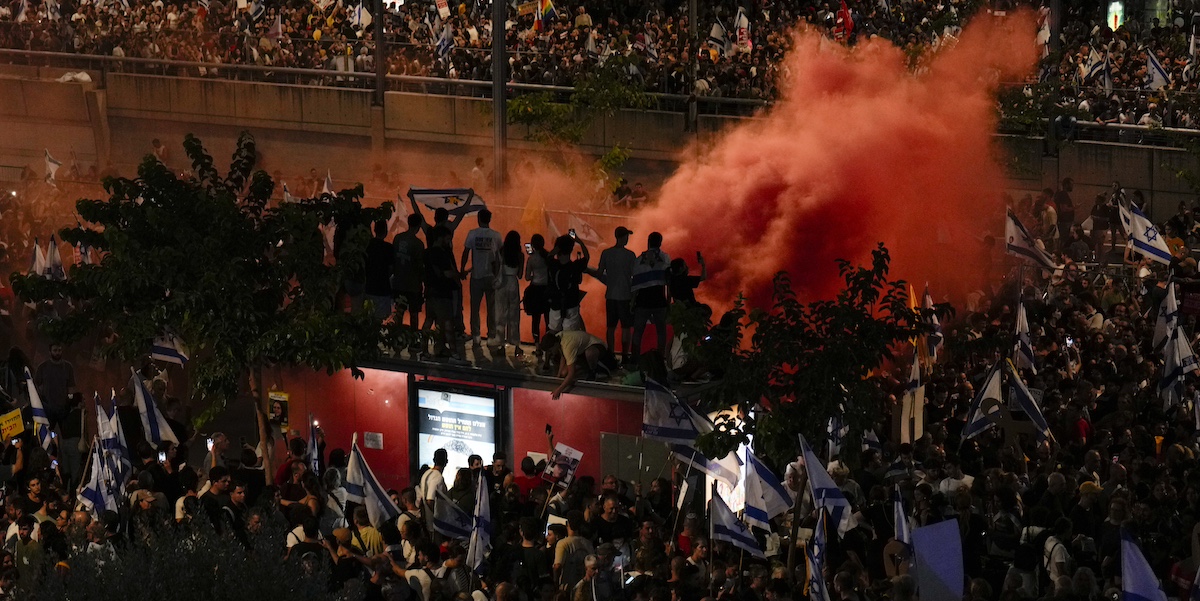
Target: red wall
x=343, y=406
x=577, y=422
x=379, y=403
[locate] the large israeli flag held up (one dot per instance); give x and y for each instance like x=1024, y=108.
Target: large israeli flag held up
x=1019, y=242
x=169, y=348
x=727, y=527
x=765, y=495
x=97, y=493
x=458, y=201
x=1145, y=235
x=1179, y=360
x=113, y=447
x=481, y=533
x=1023, y=352
x=158, y=431
x=451, y=520
x=1138, y=582
x=977, y=420
x=1156, y=75
x=363, y=487
x=54, y=265
x=814, y=555
x=41, y=421
x=825, y=492
x=1027, y=404
x=1168, y=316
x=666, y=418
x=903, y=530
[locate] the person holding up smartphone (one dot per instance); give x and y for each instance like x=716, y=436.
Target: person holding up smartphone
x=7, y=472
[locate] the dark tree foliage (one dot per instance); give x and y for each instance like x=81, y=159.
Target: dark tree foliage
x=807, y=362
x=204, y=257
x=183, y=563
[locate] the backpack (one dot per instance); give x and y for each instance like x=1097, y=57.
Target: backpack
x=1043, y=574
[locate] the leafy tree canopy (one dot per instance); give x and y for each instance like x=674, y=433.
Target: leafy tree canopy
x=807, y=362
x=204, y=257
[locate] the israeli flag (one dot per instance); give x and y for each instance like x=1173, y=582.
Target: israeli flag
x=52, y=164
x=328, y=187
x=727, y=469
x=287, y=196
x=814, y=555
x=1156, y=76
x=1168, y=317
x=1026, y=403
x=445, y=42
x=718, y=38
x=1092, y=67
x=837, y=430
x=727, y=527
x=900, y=516
x=257, y=10
x=37, y=263
x=1144, y=235
x=871, y=441
x=360, y=18
x=1023, y=353
x=765, y=495
x=977, y=420
x=1179, y=360
x=363, y=487
x=1021, y=244
x=481, y=532
x=41, y=421
x=1138, y=582
x=666, y=418
x=54, y=264
x=153, y=422
x=935, y=339
x=458, y=201
x=912, y=408
x=169, y=348
x=23, y=13
x=113, y=447
x=825, y=492
x=97, y=493
x=450, y=520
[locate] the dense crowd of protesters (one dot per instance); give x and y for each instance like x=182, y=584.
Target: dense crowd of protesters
x=1037, y=520
x=654, y=41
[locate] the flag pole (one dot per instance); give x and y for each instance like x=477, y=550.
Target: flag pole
x=679, y=510
x=711, y=528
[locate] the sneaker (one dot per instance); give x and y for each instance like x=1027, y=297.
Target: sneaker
x=476, y=342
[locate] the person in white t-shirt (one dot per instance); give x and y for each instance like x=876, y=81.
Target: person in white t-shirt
x=432, y=481
x=483, y=248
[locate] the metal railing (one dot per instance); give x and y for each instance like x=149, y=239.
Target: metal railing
x=101, y=66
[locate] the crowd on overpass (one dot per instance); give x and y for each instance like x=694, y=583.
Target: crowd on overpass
x=652, y=42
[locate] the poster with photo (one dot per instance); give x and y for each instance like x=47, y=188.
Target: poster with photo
x=277, y=404
x=562, y=466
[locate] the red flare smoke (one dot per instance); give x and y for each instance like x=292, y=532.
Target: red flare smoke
x=860, y=150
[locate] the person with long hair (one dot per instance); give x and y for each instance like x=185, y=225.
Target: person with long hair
x=508, y=295
x=537, y=301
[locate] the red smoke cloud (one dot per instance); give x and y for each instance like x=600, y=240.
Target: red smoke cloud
x=860, y=150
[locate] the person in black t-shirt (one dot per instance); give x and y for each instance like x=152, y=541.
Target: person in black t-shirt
x=380, y=257
x=566, y=274
x=682, y=284
x=442, y=282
